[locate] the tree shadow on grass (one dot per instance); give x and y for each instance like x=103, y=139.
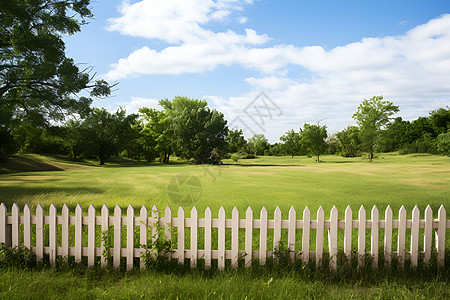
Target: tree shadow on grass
x=19, y=194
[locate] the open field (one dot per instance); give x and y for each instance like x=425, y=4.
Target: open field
x=268, y=181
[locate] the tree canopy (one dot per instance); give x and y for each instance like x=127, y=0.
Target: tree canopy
x=37, y=81
x=372, y=116
x=312, y=137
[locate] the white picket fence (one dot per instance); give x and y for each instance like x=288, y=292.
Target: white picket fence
x=10, y=234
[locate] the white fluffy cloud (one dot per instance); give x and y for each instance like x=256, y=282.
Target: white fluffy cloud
x=412, y=69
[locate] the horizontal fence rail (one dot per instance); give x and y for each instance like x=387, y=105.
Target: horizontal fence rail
x=65, y=235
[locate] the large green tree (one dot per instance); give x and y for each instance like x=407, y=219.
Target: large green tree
x=198, y=131
x=258, y=143
x=157, y=133
x=350, y=141
x=291, y=142
x=235, y=141
x=101, y=132
x=372, y=116
x=37, y=81
x=313, y=138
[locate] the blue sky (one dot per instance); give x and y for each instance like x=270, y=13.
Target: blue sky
x=314, y=60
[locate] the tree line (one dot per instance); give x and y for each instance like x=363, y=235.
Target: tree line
x=41, y=110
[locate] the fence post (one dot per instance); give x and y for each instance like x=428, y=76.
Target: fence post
x=180, y=232
x=292, y=228
x=388, y=235
x=401, y=252
x=40, y=232
x=91, y=235
x=374, y=237
x=52, y=234
x=27, y=226
x=319, y=236
x=415, y=236
x=348, y=227
x=248, y=237
x=194, y=235
x=263, y=236
x=117, y=236
x=361, y=236
x=221, y=239
x=305, y=234
x=332, y=238
x=208, y=236
x=234, y=238
x=440, y=236
x=65, y=233
x=276, y=230
x=4, y=236
x=143, y=229
x=105, y=235
x=428, y=234
x=130, y=237
x=15, y=239
x=168, y=227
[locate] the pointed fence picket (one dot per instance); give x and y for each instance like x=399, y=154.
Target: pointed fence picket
x=17, y=230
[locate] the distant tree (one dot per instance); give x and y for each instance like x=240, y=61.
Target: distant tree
x=440, y=120
x=443, y=143
x=291, y=142
x=257, y=144
x=350, y=141
x=101, y=132
x=373, y=116
x=312, y=137
x=157, y=132
x=73, y=137
x=235, y=141
x=333, y=144
x=198, y=132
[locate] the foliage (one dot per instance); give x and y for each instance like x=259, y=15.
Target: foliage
x=37, y=81
x=350, y=141
x=103, y=133
x=155, y=253
x=291, y=143
x=157, y=134
x=235, y=141
x=372, y=116
x=312, y=137
x=443, y=143
x=257, y=144
x=197, y=130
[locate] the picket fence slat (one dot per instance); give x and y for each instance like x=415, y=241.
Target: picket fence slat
x=40, y=233
x=305, y=234
x=263, y=236
x=221, y=239
x=374, y=237
x=180, y=234
x=15, y=228
x=208, y=235
x=27, y=229
x=117, y=236
x=319, y=236
x=235, y=238
x=415, y=237
x=105, y=231
x=401, y=251
x=194, y=243
x=428, y=234
x=440, y=236
x=291, y=233
x=388, y=236
x=248, y=237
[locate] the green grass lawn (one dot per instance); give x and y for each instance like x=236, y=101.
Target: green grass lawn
x=267, y=181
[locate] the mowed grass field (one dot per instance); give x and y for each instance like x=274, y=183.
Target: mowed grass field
x=266, y=181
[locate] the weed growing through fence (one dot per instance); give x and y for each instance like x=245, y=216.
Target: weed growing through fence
x=155, y=253
x=106, y=252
